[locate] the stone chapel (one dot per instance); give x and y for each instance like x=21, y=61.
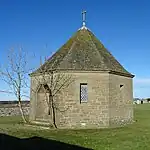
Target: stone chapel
x=100, y=94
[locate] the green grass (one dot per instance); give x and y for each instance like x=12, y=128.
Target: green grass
x=131, y=137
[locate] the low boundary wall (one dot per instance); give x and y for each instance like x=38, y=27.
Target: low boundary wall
x=11, y=108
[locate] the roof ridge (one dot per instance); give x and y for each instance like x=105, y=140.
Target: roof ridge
x=111, y=63
x=96, y=47
x=72, y=46
x=55, y=60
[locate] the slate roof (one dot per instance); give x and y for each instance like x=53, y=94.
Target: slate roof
x=83, y=52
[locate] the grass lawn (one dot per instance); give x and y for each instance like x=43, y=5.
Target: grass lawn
x=131, y=137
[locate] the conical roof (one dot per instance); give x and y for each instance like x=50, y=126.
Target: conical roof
x=83, y=52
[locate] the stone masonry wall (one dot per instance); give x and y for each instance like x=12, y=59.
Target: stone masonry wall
x=108, y=104
x=90, y=114
x=13, y=109
x=121, y=100
x=72, y=113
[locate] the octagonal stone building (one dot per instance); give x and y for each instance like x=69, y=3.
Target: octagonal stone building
x=100, y=93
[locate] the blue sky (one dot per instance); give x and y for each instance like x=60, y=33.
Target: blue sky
x=42, y=26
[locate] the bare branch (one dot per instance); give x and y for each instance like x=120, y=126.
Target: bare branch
x=15, y=75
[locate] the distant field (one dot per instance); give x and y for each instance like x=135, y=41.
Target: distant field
x=132, y=137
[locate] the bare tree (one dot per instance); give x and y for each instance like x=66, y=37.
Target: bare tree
x=53, y=82
x=15, y=75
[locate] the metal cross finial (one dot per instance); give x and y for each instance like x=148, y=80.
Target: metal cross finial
x=83, y=18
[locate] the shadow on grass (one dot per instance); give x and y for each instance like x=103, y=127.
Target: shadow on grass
x=35, y=143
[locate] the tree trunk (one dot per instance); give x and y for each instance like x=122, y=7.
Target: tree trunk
x=21, y=110
x=52, y=102
x=53, y=110
x=54, y=116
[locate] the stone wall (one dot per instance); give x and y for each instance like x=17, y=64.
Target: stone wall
x=90, y=114
x=121, y=100
x=12, y=109
x=72, y=113
x=109, y=101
